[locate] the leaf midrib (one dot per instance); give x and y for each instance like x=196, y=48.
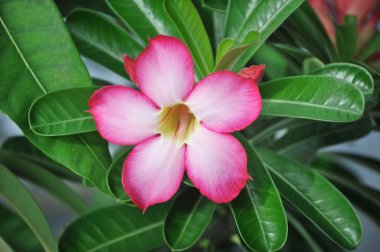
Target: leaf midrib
x=128, y=235
x=84, y=118
x=310, y=105
x=40, y=84
x=188, y=220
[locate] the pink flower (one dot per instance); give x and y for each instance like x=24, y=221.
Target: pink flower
x=177, y=126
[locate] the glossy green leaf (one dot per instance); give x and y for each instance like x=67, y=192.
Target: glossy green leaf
x=62, y=112
x=230, y=57
x=44, y=179
x=23, y=149
x=321, y=98
x=145, y=17
x=295, y=52
x=13, y=229
x=316, y=198
x=114, y=177
x=101, y=40
x=258, y=211
x=346, y=37
x=38, y=57
x=356, y=75
x=128, y=230
x=23, y=203
x=187, y=219
x=223, y=47
x=192, y=30
x=263, y=16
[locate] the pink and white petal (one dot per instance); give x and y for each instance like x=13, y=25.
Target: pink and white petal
x=153, y=171
x=123, y=115
x=216, y=164
x=165, y=71
x=225, y=102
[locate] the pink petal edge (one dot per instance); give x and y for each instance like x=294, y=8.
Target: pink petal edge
x=165, y=70
x=217, y=165
x=123, y=115
x=153, y=171
x=225, y=102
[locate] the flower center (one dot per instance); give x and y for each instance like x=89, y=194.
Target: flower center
x=177, y=121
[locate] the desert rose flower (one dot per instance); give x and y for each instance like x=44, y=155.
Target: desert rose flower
x=177, y=126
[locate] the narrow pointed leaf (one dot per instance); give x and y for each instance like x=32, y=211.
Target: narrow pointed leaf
x=187, y=219
x=321, y=98
x=347, y=38
x=14, y=229
x=62, y=112
x=23, y=203
x=101, y=40
x=38, y=57
x=128, y=230
x=114, y=177
x=43, y=179
x=356, y=75
x=316, y=198
x=190, y=26
x=263, y=16
x=258, y=211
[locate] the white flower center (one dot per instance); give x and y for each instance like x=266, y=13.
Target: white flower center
x=177, y=122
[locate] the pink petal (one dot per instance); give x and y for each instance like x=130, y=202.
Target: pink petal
x=225, y=101
x=216, y=164
x=123, y=115
x=254, y=72
x=129, y=65
x=358, y=8
x=165, y=71
x=153, y=171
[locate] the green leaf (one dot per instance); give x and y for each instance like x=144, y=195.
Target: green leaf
x=223, y=47
x=356, y=75
x=38, y=57
x=263, y=16
x=4, y=247
x=23, y=149
x=302, y=231
x=44, y=179
x=346, y=37
x=190, y=26
x=217, y=5
x=13, y=229
x=145, y=17
x=316, y=198
x=321, y=98
x=101, y=40
x=258, y=211
x=21, y=200
x=187, y=219
x=233, y=54
x=115, y=228
x=311, y=134
x=372, y=47
x=369, y=162
x=62, y=112
x=114, y=177
x=311, y=64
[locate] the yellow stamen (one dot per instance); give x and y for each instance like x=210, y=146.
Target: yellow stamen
x=178, y=122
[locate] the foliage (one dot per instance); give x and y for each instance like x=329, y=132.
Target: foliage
x=315, y=94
